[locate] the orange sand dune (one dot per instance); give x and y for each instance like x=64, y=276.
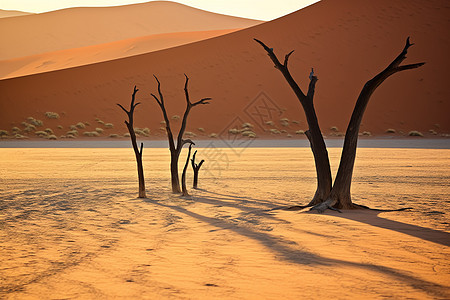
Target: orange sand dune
x=12, y=13
x=347, y=42
x=62, y=59
x=80, y=27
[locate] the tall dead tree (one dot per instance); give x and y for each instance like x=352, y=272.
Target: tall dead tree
x=339, y=196
x=175, y=146
x=196, y=167
x=314, y=134
x=137, y=151
x=183, y=176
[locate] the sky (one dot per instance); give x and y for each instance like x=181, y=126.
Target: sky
x=255, y=9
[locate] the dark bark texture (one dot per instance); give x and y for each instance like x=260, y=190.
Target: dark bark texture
x=196, y=167
x=183, y=176
x=175, y=146
x=336, y=196
x=314, y=134
x=137, y=151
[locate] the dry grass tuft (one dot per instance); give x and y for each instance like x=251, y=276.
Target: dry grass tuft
x=52, y=115
x=109, y=125
x=415, y=133
x=91, y=133
x=300, y=132
x=390, y=130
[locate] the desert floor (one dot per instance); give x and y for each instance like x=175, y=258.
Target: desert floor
x=72, y=227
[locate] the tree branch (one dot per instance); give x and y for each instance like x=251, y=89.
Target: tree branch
x=286, y=58
x=202, y=101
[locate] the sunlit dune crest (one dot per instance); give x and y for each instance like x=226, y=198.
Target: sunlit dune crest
x=81, y=27
x=69, y=58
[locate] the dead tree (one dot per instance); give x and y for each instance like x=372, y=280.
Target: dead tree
x=196, y=168
x=176, y=146
x=137, y=151
x=183, y=176
x=339, y=196
x=314, y=134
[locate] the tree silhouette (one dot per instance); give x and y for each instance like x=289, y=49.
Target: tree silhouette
x=137, y=151
x=196, y=167
x=175, y=146
x=338, y=196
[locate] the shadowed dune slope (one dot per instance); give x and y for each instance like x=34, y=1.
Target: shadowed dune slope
x=346, y=41
x=81, y=27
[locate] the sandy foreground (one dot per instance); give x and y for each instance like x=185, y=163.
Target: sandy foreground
x=72, y=227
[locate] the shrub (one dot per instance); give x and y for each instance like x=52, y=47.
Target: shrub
x=41, y=134
x=433, y=132
x=109, y=125
x=213, y=135
x=52, y=137
x=99, y=130
x=247, y=125
x=72, y=132
x=99, y=121
x=59, y=127
x=190, y=134
x=299, y=132
x=16, y=130
x=295, y=122
x=52, y=115
x=233, y=131
x=249, y=133
x=19, y=136
x=366, y=133
x=270, y=123
x=48, y=130
x=174, y=117
x=113, y=135
x=91, y=133
x=3, y=133
x=126, y=134
x=80, y=125
x=334, y=129
x=284, y=122
x=274, y=131
x=201, y=129
x=390, y=130
x=415, y=133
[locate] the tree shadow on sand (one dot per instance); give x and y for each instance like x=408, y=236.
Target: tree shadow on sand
x=284, y=248
x=372, y=218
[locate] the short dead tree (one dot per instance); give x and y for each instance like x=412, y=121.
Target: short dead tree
x=183, y=175
x=337, y=196
x=176, y=146
x=137, y=151
x=196, y=167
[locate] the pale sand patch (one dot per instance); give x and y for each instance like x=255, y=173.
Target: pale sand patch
x=72, y=227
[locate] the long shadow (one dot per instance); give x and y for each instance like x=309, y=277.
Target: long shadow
x=284, y=249
x=372, y=218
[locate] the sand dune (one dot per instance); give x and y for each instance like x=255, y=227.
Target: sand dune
x=12, y=13
x=347, y=42
x=69, y=58
x=81, y=27
x=72, y=227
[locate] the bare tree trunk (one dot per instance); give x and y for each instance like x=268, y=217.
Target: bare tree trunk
x=340, y=196
x=175, y=149
x=137, y=152
x=183, y=176
x=314, y=134
x=196, y=168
